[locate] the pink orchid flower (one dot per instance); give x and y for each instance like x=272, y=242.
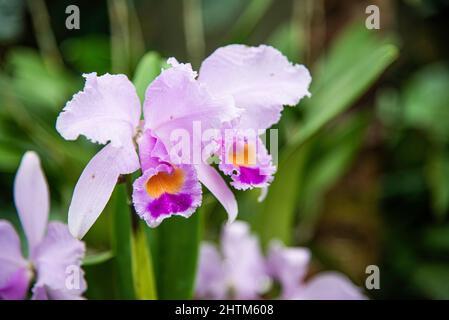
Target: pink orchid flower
x=51, y=248
x=240, y=271
x=259, y=81
x=108, y=111
x=289, y=266
x=238, y=87
x=238, y=267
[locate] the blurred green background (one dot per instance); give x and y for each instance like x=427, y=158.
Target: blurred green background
x=363, y=165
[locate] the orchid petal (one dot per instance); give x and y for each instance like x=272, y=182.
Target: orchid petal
x=31, y=197
x=58, y=264
x=175, y=100
x=210, y=282
x=288, y=265
x=152, y=151
x=248, y=169
x=329, y=286
x=260, y=79
x=217, y=186
x=244, y=262
x=95, y=186
x=108, y=109
x=164, y=191
x=14, y=273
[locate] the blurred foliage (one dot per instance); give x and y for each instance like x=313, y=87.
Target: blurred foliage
x=363, y=164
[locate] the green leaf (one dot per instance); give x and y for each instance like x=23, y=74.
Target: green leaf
x=121, y=243
x=178, y=242
x=142, y=266
x=426, y=102
x=148, y=68
x=436, y=239
x=37, y=84
x=276, y=215
x=354, y=63
x=432, y=278
x=97, y=258
x=97, y=58
x=345, y=75
x=438, y=180
x=9, y=157
x=249, y=18
x=333, y=152
x=289, y=40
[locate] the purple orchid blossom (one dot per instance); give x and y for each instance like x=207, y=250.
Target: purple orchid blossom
x=289, y=266
x=240, y=271
x=51, y=247
x=237, y=87
x=237, y=269
x=108, y=111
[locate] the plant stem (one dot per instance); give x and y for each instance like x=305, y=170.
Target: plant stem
x=132, y=211
x=194, y=32
x=44, y=34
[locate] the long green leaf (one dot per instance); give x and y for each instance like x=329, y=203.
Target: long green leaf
x=142, y=266
x=121, y=244
x=347, y=80
x=147, y=69
x=178, y=247
x=97, y=258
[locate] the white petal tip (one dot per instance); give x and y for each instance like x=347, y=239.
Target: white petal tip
x=76, y=232
x=263, y=194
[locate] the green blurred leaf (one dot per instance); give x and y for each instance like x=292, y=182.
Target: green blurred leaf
x=97, y=258
x=437, y=239
x=353, y=64
x=276, y=215
x=433, y=280
x=142, y=266
x=148, y=68
x=288, y=40
x=121, y=243
x=249, y=18
x=178, y=242
x=438, y=180
x=97, y=56
x=426, y=103
x=9, y=158
x=333, y=153
x=218, y=14
x=35, y=83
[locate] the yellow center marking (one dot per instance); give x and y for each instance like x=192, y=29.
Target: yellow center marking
x=243, y=157
x=165, y=182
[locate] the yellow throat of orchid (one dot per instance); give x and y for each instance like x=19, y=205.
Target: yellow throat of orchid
x=164, y=182
x=245, y=156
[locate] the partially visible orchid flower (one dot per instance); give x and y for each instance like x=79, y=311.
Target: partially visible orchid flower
x=237, y=270
x=108, y=111
x=261, y=81
x=289, y=266
x=240, y=271
x=51, y=247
